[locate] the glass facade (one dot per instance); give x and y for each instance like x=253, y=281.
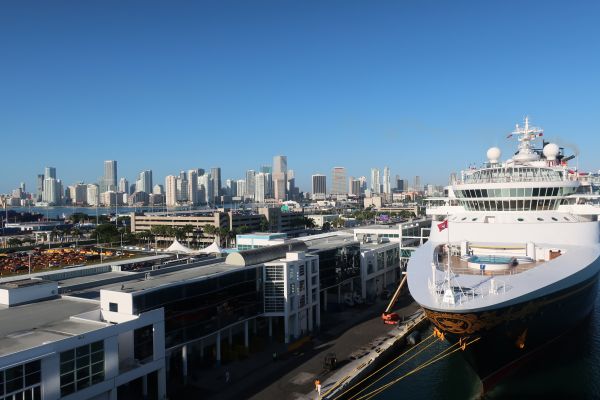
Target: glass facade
x=198, y=308
x=22, y=382
x=514, y=174
x=338, y=264
x=513, y=199
x=81, y=367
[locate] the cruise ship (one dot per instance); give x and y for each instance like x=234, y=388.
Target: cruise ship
x=513, y=258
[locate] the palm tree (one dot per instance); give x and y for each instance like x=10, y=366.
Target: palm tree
x=76, y=233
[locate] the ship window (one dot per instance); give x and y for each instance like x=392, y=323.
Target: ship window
x=520, y=205
x=528, y=192
x=474, y=219
x=555, y=191
x=513, y=192
x=505, y=192
x=520, y=192
x=463, y=218
x=554, y=219
x=566, y=219
x=520, y=219
x=536, y=191
x=540, y=219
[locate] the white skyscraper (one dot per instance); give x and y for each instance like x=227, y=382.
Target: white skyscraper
x=123, y=185
x=144, y=182
x=375, y=181
x=279, y=177
x=387, y=186
x=93, y=195
x=250, y=185
x=110, y=176
x=241, y=188
x=205, y=187
x=192, y=178
x=319, y=184
x=171, y=190
x=260, y=187
x=157, y=189
x=52, y=191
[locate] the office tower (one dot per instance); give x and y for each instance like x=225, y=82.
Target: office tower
x=144, y=182
x=363, y=184
x=22, y=187
x=291, y=188
x=319, y=184
x=250, y=184
x=266, y=169
x=215, y=174
x=182, y=187
x=387, y=185
x=241, y=188
x=375, y=182
x=231, y=186
x=417, y=187
x=354, y=187
x=192, y=179
x=123, y=185
x=52, y=191
x=110, y=176
x=260, y=188
x=93, y=195
x=199, y=171
x=171, y=190
x=205, y=187
x=158, y=189
x=78, y=193
x=50, y=172
x=338, y=181
x=39, y=187
x=291, y=174
x=279, y=177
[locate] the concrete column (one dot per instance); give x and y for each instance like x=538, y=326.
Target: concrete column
x=145, y=386
x=286, y=328
x=162, y=384
x=270, y=327
x=318, y=316
x=218, y=344
x=297, y=325
x=184, y=361
x=310, y=318
x=246, y=341
x=112, y=394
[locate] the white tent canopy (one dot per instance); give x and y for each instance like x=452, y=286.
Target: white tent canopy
x=179, y=248
x=213, y=248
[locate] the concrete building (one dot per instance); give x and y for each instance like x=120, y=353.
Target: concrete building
x=375, y=181
x=387, y=184
x=241, y=188
x=171, y=190
x=123, y=185
x=39, y=187
x=215, y=174
x=50, y=172
x=280, y=177
x=205, y=189
x=258, y=240
x=338, y=180
x=192, y=177
x=319, y=186
x=78, y=194
x=158, y=189
x=93, y=195
x=250, y=183
x=144, y=182
x=261, y=187
x=354, y=187
x=52, y=191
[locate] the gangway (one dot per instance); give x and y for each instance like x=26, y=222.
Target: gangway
x=388, y=316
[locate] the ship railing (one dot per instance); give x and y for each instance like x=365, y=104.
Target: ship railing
x=507, y=179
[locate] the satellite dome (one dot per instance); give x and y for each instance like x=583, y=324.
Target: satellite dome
x=550, y=151
x=493, y=154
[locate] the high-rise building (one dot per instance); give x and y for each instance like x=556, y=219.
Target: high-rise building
x=205, y=189
x=124, y=185
x=110, y=176
x=363, y=184
x=52, y=191
x=250, y=182
x=158, y=189
x=78, y=193
x=266, y=169
x=417, y=187
x=39, y=187
x=182, y=187
x=279, y=177
x=215, y=174
x=338, y=181
x=171, y=190
x=192, y=179
x=260, y=188
x=144, y=182
x=231, y=186
x=49, y=172
x=93, y=195
x=375, y=181
x=319, y=184
x=353, y=187
x=387, y=185
x=241, y=188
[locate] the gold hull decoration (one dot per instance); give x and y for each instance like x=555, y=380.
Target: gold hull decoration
x=470, y=323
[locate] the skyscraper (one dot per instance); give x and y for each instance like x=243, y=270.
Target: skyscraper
x=93, y=195
x=319, y=184
x=387, y=186
x=250, y=185
x=241, y=188
x=375, y=181
x=192, y=179
x=417, y=187
x=123, y=186
x=52, y=191
x=260, y=189
x=215, y=174
x=49, y=172
x=338, y=185
x=171, y=190
x=40, y=187
x=353, y=187
x=279, y=177
x=110, y=175
x=144, y=182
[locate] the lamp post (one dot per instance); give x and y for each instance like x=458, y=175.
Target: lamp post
x=29, y=264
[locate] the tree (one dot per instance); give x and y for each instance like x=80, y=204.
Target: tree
x=264, y=224
x=309, y=223
x=13, y=242
x=107, y=233
x=338, y=222
x=76, y=232
x=326, y=227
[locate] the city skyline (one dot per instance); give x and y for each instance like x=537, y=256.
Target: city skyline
x=321, y=83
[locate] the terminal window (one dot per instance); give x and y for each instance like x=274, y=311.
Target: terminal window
x=21, y=381
x=81, y=367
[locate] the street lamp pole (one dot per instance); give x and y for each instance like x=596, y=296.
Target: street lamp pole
x=29, y=265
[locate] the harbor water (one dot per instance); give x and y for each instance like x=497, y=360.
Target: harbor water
x=569, y=368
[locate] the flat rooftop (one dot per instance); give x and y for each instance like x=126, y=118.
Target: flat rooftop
x=26, y=326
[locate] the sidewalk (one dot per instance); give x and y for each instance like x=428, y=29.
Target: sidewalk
x=346, y=333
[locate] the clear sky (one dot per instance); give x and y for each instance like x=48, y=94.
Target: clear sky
x=424, y=87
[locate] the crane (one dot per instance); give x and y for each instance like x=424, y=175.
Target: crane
x=389, y=317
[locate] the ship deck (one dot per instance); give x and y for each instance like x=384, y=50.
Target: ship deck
x=461, y=267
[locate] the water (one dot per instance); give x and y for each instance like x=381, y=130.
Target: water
x=570, y=369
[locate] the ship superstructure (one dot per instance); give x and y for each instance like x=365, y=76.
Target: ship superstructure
x=513, y=256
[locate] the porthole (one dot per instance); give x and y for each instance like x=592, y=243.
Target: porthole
x=463, y=218
x=566, y=219
x=520, y=219
x=474, y=219
x=554, y=219
x=540, y=219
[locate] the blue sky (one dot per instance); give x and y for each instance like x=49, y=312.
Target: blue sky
x=424, y=87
